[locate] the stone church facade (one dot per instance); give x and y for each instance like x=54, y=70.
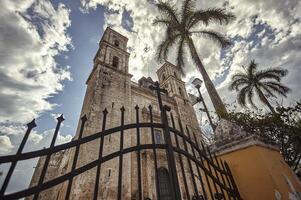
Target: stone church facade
x=109, y=86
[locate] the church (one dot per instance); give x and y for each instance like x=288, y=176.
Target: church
x=109, y=86
x=142, y=141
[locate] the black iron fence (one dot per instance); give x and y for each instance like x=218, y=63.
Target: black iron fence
x=193, y=172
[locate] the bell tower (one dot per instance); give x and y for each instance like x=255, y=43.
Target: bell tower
x=112, y=51
x=108, y=87
x=169, y=77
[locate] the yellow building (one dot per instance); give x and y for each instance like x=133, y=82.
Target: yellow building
x=259, y=170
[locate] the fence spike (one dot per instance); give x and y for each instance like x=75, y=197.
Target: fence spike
x=105, y=111
x=167, y=108
x=60, y=118
x=122, y=109
x=84, y=118
x=137, y=107
x=32, y=124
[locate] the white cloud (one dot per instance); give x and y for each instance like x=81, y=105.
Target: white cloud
x=32, y=34
x=276, y=45
x=12, y=135
x=36, y=32
x=10, y=139
x=5, y=144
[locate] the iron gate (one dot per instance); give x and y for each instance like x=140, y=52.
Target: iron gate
x=210, y=177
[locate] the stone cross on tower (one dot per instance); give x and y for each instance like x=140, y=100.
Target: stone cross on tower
x=158, y=90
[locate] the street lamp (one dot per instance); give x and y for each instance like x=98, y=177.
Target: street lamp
x=197, y=84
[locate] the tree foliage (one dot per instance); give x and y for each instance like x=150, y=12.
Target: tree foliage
x=282, y=129
x=180, y=25
x=264, y=83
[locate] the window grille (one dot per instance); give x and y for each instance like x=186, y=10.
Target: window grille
x=158, y=137
x=164, y=184
x=115, y=62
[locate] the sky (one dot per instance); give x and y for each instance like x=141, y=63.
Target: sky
x=47, y=48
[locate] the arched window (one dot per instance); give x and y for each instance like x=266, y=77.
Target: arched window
x=164, y=184
x=115, y=61
x=180, y=92
x=158, y=137
x=175, y=74
x=116, y=43
x=163, y=77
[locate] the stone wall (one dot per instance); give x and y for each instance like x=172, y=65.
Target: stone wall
x=111, y=88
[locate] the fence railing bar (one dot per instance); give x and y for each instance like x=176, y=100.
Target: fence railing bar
x=222, y=176
x=30, y=126
x=201, y=151
x=83, y=121
x=216, y=173
x=196, y=193
x=203, y=166
x=209, y=167
x=232, y=181
x=121, y=156
x=176, y=194
x=214, y=179
x=60, y=119
x=180, y=159
x=138, y=154
x=80, y=170
x=104, y=120
x=198, y=169
x=154, y=152
x=196, y=155
x=170, y=156
x=43, y=152
x=227, y=179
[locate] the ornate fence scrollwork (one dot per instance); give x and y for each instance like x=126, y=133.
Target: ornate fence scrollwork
x=193, y=171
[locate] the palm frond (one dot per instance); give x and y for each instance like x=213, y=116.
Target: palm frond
x=260, y=95
x=266, y=89
x=162, y=21
x=275, y=74
x=240, y=75
x=250, y=95
x=187, y=10
x=211, y=15
x=268, y=76
x=251, y=69
x=241, y=96
x=169, y=10
x=165, y=45
x=277, y=87
x=253, y=80
x=214, y=36
x=238, y=83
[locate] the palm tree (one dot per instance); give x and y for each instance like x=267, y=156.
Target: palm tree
x=264, y=82
x=180, y=26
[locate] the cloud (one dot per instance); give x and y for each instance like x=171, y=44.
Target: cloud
x=5, y=144
x=134, y=20
x=32, y=34
x=10, y=139
x=265, y=30
x=12, y=134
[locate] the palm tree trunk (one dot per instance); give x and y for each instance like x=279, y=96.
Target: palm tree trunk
x=265, y=100
x=214, y=96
